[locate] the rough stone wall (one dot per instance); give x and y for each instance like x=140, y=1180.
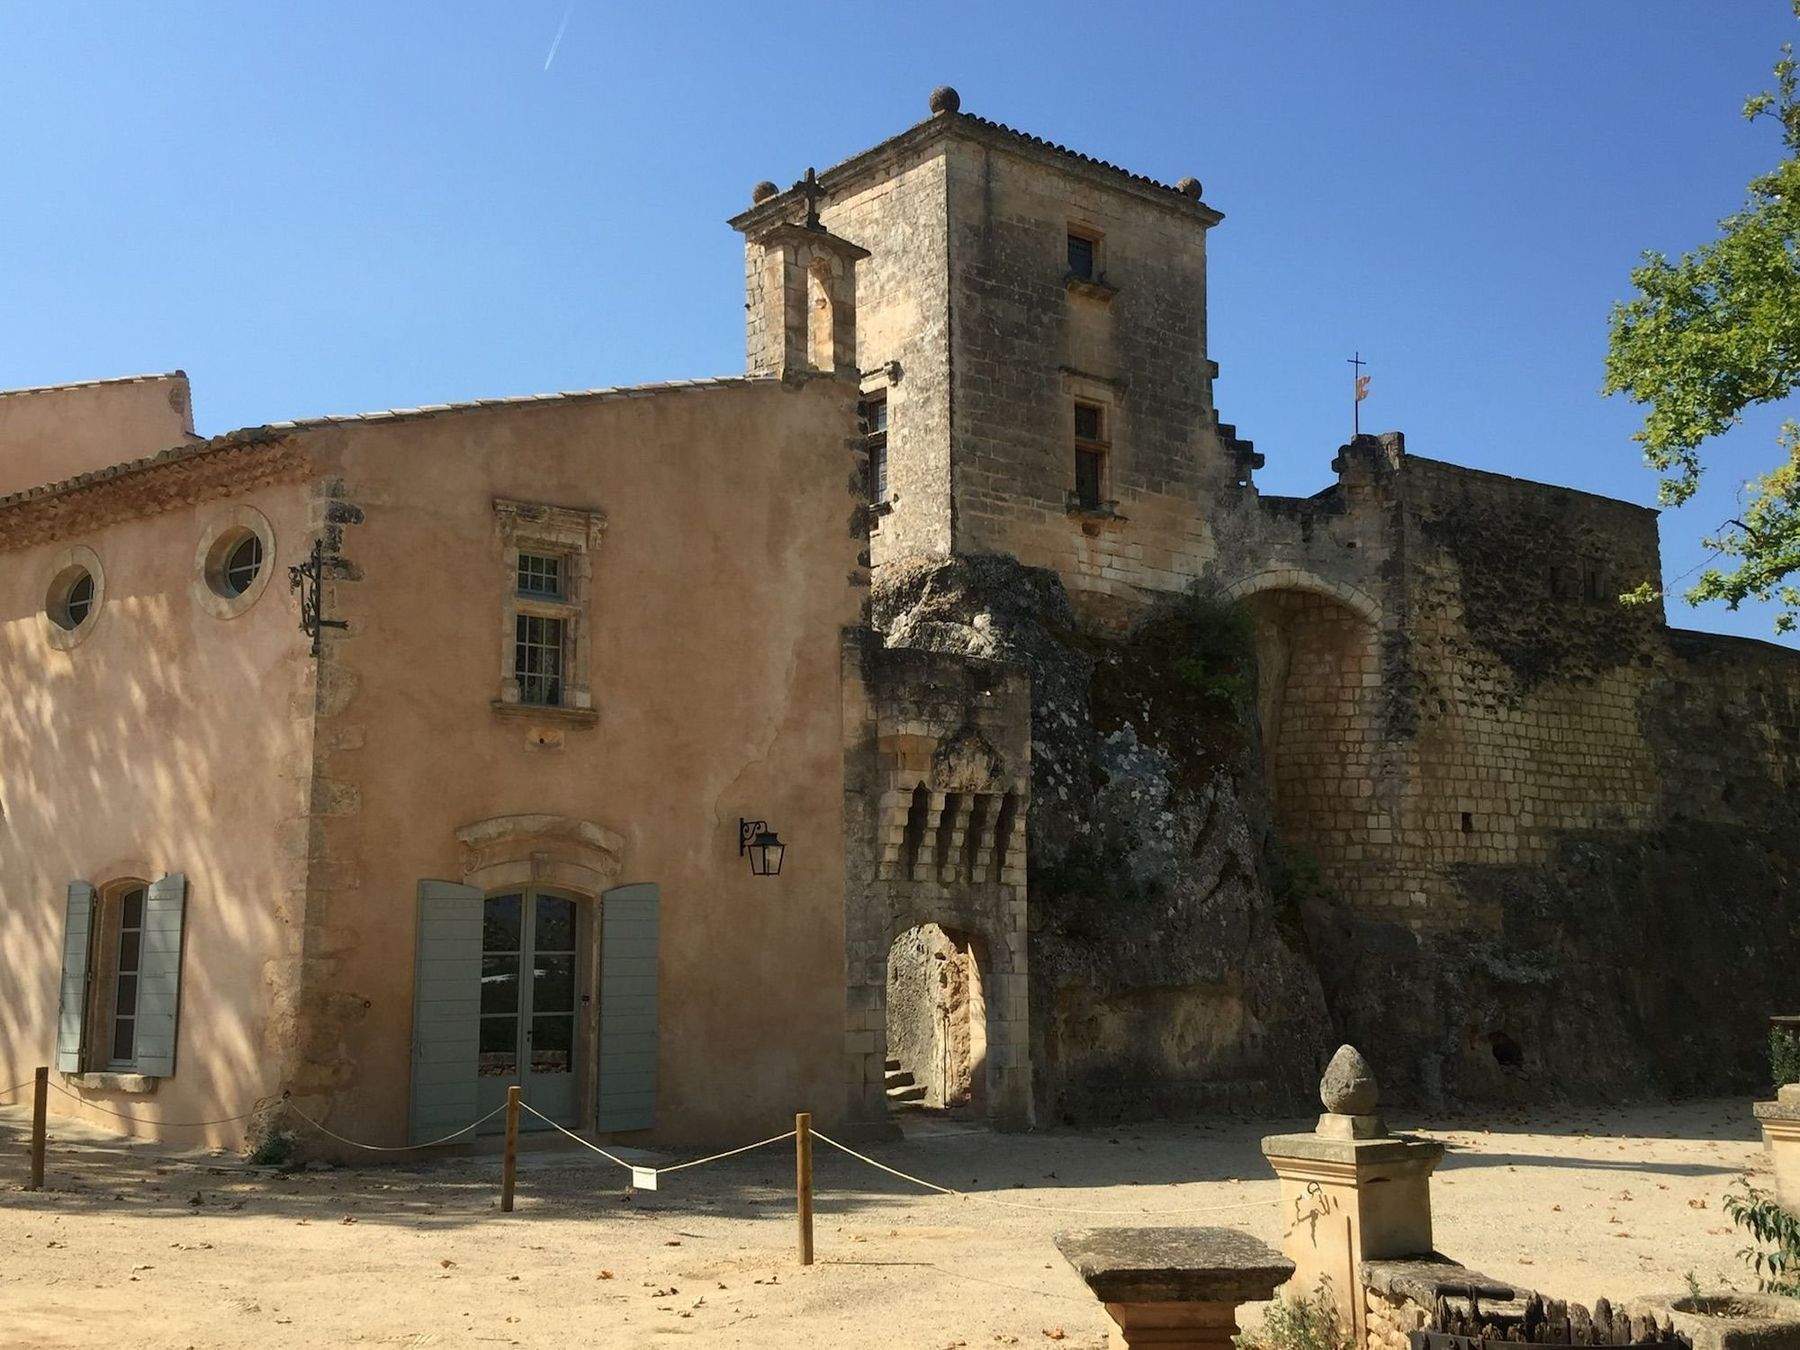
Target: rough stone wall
x=903, y=342
x=1596, y=823
x=1026, y=344
x=1168, y=965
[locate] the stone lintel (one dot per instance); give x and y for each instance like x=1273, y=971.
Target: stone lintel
x=1782, y=1110
x=1174, y=1265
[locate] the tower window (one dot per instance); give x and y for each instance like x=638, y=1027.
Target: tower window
x=1083, y=256
x=874, y=413
x=1090, y=456
x=538, y=659
x=540, y=574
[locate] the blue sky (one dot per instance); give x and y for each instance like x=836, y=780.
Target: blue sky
x=333, y=207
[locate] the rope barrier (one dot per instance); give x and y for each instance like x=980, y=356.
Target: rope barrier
x=526, y=1106
x=7, y=1092
x=1013, y=1204
x=393, y=1148
x=729, y=1153
x=146, y=1120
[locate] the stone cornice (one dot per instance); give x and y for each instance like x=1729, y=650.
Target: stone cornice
x=168, y=482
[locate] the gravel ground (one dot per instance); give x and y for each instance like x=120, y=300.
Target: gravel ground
x=132, y=1245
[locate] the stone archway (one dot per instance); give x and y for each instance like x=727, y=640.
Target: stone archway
x=1318, y=660
x=937, y=1030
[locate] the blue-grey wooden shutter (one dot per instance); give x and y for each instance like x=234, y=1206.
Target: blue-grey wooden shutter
x=72, y=996
x=159, y=975
x=628, y=929
x=446, y=1010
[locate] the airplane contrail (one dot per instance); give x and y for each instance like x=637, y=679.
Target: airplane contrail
x=561, y=29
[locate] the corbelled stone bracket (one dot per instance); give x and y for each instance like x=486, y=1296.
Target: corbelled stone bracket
x=1174, y=1287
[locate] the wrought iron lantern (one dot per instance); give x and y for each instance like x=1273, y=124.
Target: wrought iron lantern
x=763, y=845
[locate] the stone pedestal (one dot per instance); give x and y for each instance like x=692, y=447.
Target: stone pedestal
x=1178, y=1288
x=1780, y=1121
x=1351, y=1192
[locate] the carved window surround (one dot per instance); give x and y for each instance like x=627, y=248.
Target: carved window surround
x=573, y=535
x=504, y=852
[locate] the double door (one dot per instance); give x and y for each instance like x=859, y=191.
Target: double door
x=529, y=969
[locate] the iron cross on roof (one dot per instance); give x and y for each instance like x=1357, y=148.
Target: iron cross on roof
x=808, y=187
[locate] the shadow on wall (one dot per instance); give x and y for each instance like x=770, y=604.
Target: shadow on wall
x=165, y=741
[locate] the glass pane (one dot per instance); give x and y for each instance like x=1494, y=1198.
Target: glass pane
x=499, y=1047
x=131, y=910
x=1081, y=257
x=1087, y=422
x=553, y=1044
x=540, y=574
x=499, y=984
x=124, y=1046
x=128, y=951
x=555, y=924
x=553, y=984
x=126, y=1002
x=500, y=924
x=1087, y=478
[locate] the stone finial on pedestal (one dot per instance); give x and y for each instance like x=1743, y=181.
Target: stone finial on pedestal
x=1349, y=1093
x=1174, y=1287
x=1350, y=1191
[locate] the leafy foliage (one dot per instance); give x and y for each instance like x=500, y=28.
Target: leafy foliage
x=1305, y=1322
x=1776, y=1262
x=1784, y=1058
x=1713, y=333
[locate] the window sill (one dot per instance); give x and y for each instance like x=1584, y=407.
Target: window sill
x=133, y=1084
x=1093, y=518
x=1096, y=289
x=539, y=712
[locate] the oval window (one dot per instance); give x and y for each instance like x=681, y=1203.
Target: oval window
x=242, y=564
x=71, y=598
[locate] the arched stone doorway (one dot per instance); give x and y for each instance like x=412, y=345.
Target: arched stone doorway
x=937, y=1027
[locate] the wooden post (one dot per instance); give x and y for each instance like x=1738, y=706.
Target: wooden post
x=509, y=1162
x=803, y=1182
x=40, y=1107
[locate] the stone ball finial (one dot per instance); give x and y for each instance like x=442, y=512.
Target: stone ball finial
x=944, y=99
x=1189, y=188
x=1348, y=1087
x=762, y=192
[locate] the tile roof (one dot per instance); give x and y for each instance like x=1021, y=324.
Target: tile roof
x=93, y=384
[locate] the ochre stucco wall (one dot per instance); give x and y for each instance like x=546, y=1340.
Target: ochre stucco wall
x=168, y=740
x=720, y=591
x=47, y=435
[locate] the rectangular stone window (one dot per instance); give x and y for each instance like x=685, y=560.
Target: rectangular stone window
x=1084, y=256
x=538, y=659
x=1090, y=456
x=874, y=414
x=548, y=554
x=122, y=1054
x=540, y=574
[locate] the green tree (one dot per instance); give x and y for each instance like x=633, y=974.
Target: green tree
x=1711, y=334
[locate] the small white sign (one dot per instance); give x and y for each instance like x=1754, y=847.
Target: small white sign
x=643, y=1178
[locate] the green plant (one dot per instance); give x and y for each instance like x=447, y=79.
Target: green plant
x=1693, y=1283
x=1306, y=1322
x=275, y=1149
x=1784, y=1058
x=1776, y=1262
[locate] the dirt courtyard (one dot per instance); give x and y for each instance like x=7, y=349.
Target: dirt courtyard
x=134, y=1245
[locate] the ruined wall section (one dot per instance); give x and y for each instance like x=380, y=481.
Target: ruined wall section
x=897, y=212
x=1529, y=674
x=1028, y=342
x=937, y=788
